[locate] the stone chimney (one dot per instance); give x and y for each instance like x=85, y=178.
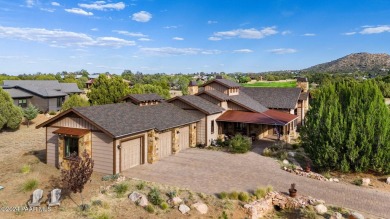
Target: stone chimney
x=193, y=88
x=303, y=83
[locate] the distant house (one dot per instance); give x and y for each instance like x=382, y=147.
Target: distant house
x=92, y=78
x=47, y=95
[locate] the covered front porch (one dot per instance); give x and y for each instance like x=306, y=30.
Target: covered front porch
x=270, y=124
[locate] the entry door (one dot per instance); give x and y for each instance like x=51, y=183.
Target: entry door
x=131, y=153
x=184, y=138
x=165, y=144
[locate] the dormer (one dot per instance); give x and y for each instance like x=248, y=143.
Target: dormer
x=225, y=86
x=143, y=99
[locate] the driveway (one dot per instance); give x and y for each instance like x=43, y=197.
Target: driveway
x=213, y=172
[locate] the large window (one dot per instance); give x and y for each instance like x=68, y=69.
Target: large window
x=60, y=101
x=22, y=103
x=212, y=127
x=71, y=146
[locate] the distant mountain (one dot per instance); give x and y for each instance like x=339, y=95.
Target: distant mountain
x=356, y=62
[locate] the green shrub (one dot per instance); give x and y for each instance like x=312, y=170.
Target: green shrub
x=269, y=189
x=121, y=188
x=327, y=175
x=223, y=195
x=164, y=205
x=267, y=152
x=84, y=207
x=30, y=185
x=309, y=213
x=260, y=193
x=295, y=146
x=110, y=177
x=243, y=196
x=104, y=215
x=281, y=155
x=25, y=169
x=52, y=113
x=240, y=144
x=141, y=185
x=358, y=182
x=154, y=196
x=233, y=195
x=97, y=203
x=172, y=194
x=149, y=208
x=223, y=216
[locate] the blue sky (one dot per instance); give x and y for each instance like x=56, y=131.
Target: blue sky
x=173, y=36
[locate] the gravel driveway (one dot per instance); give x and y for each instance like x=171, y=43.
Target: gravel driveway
x=213, y=172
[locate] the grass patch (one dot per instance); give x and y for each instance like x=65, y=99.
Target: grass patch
x=149, y=208
x=25, y=169
x=30, y=185
x=358, y=182
x=121, y=188
x=223, y=195
x=164, y=205
x=233, y=195
x=272, y=84
x=260, y=193
x=103, y=215
x=243, y=196
x=141, y=185
x=154, y=196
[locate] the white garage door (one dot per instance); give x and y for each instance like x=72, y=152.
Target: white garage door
x=131, y=153
x=164, y=144
x=184, y=137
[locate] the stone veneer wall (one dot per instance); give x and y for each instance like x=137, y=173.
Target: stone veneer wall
x=152, y=146
x=193, y=135
x=85, y=143
x=175, y=141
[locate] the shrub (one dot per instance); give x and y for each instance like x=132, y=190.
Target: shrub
x=223, y=195
x=141, y=185
x=282, y=155
x=104, y=215
x=25, y=169
x=52, y=112
x=74, y=100
x=260, y=193
x=295, y=146
x=97, y=203
x=121, y=188
x=309, y=213
x=233, y=195
x=243, y=196
x=10, y=115
x=149, y=208
x=223, y=216
x=164, y=205
x=84, y=207
x=240, y=144
x=327, y=175
x=269, y=189
x=110, y=177
x=172, y=194
x=267, y=152
x=154, y=196
x=30, y=113
x=358, y=182
x=30, y=185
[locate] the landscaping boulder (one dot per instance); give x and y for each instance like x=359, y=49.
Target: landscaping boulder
x=336, y=215
x=201, y=207
x=143, y=201
x=355, y=215
x=139, y=199
x=366, y=181
x=184, y=209
x=176, y=201
x=285, y=162
x=388, y=180
x=321, y=209
x=260, y=208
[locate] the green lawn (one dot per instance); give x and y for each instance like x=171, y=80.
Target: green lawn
x=272, y=84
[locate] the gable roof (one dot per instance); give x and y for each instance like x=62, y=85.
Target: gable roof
x=43, y=88
x=16, y=93
x=138, y=98
x=300, y=79
x=223, y=82
x=274, y=97
x=216, y=94
x=247, y=102
x=199, y=103
x=123, y=119
x=303, y=96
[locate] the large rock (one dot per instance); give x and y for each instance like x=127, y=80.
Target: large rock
x=184, y=209
x=260, y=208
x=336, y=215
x=321, y=209
x=139, y=199
x=388, y=180
x=176, y=201
x=366, y=181
x=355, y=215
x=201, y=207
x=285, y=162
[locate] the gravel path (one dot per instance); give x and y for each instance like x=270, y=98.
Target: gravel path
x=213, y=172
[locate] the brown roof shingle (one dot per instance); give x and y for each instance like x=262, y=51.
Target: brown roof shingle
x=138, y=98
x=224, y=82
x=274, y=97
x=200, y=103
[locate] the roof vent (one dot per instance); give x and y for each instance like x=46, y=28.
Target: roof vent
x=218, y=77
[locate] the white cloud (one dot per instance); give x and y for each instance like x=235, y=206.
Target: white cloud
x=251, y=33
x=242, y=51
x=95, y=29
x=142, y=16
x=286, y=32
x=30, y=3
x=282, y=51
x=349, y=33
x=215, y=38
x=144, y=39
x=171, y=51
x=103, y=6
x=212, y=22
x=79, y=11
x=55, y=4
x=178, y=38
x=131, y=34
x=375, y=30
x=51, y=10
x=61, y=38
x=309, y=34
x=170, y=27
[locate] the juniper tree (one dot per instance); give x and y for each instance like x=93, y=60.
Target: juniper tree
x=30, y=113
x=106, y=91
x=10, y=115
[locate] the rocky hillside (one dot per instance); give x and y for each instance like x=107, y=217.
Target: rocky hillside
x=363, y=62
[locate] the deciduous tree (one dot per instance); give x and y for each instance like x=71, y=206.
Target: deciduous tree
x=106, y=91
x=74, y=101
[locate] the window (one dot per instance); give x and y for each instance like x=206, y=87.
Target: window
x=22, y=103
x=212, y=127
x=71, y=146
x=60, y=101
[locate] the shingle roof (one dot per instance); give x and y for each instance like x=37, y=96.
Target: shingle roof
x=125, y=119
x=223, y=82
x=44, y=88
x=272, y=97
x=303, y=96
x=248, y=102
x=137, y=98
x=200, y=103
x=216, y=94
x=70, y=88
x=16, y=93
x=300, y=79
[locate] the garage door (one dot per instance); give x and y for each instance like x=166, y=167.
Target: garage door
x=165, y=144
x=184, y=137
x=131, y=153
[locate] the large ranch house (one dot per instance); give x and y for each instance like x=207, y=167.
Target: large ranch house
x=146, y=128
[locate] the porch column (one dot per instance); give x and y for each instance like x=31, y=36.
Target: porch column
x=152, y=146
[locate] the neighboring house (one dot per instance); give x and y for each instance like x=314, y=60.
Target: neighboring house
x=119, y=136
x=92, y=78
x=47, y=95
x=143, y=99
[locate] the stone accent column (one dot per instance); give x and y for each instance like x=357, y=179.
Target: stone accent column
x=61, y=146
x=85, y=143
x=175, y=141
x=193, y=135
x=152, y=146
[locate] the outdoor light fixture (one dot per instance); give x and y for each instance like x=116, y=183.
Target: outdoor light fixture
x=118, y=146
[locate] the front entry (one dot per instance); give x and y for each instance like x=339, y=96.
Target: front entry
x=131, y=153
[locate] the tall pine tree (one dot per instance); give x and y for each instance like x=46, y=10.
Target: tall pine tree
x=105, y=90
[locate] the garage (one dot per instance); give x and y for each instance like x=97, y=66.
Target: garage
x=164, y=144
x=184, y=137
x=131, y=153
